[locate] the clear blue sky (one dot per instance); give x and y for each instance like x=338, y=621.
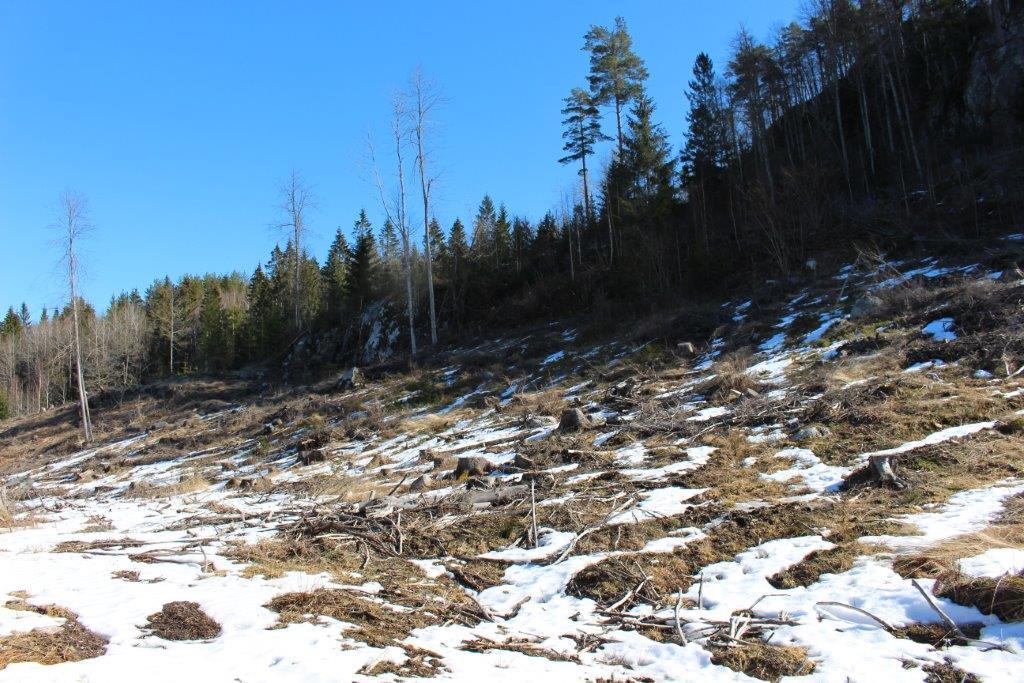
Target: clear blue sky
x=179, y=120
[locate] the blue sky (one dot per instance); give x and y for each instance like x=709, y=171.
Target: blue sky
x=179, y=120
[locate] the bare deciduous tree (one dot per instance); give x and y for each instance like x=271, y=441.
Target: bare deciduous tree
x=297, y=198
x=395, y=208
x=426, y=98
x=72, y=225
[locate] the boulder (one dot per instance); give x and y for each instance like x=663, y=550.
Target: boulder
x=524, y=462
x=473, y=466
x=541, y=422
x=812, y=432
x=421, y=483
x=573, y=420
x=866, y=306
x=350, y=379
x=310, y=457
x=686, y=349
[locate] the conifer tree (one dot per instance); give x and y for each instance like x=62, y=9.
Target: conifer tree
x=482, y=245
x=582, y=132
x=706, y=144
x=11, y=325
x=438, y=248
x=501, y=240
x=617, y=74
x=705, y=149
x=647, y=162
x=360, y=283
x=334, y=274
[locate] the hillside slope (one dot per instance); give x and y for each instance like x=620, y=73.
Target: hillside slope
x=828, y=488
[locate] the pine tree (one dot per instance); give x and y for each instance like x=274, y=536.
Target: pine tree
x=617, y=74
x=582, y=132
x=26, y=317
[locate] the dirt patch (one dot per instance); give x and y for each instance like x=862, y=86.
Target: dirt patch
x=764, y=661
x=69, y=642
x=1003, y=597
x=182, y=620
x=809, y=570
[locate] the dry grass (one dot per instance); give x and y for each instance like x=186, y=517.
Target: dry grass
x=1006, y=531
x=1003, y=597
x=68, y=642
x=187, y=484
x=731, y=381
x=419, y=663
x=376, y=624
x=946, y=672
x=609, y=579
x=808, y=570
x=762, y=660
x=548, y=402
x=181, y=620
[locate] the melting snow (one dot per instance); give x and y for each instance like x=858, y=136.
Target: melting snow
x=940, y=330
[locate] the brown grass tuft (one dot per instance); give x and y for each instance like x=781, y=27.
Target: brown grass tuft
x=731, y=381
x=376, y=624
x=764, y=661
x=809, y=570
x=1003, y=597
x=69, y=642
x=182, y=620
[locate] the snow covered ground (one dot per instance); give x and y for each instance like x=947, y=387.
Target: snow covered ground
x=627, y=489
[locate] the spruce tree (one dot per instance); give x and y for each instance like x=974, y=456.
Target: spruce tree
x=361, y=282
x=483, y=229
x=501, y=240
x=11, y=326
x=438, y=248
x=647, y=161
x=334, y=274
x=705, y=149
